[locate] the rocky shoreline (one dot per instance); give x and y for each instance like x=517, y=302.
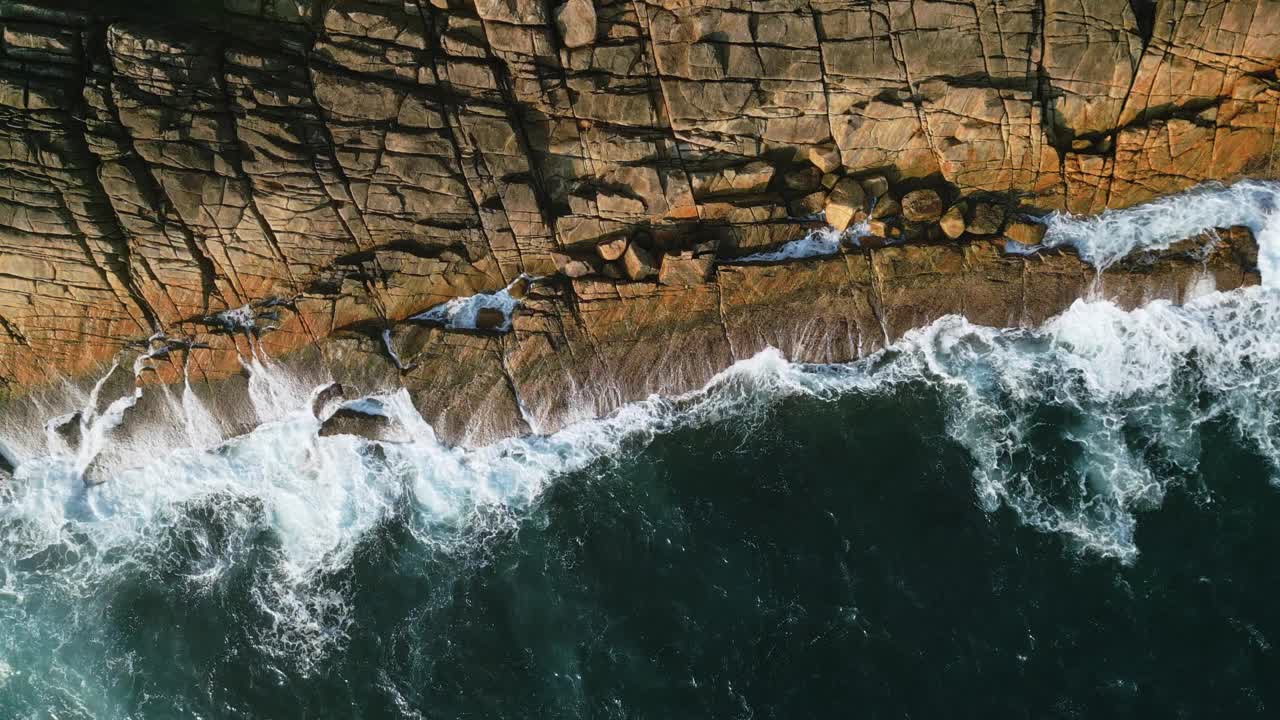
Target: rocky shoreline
x=340, y=183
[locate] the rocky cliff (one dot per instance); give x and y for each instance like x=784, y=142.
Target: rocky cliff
x=334, y=169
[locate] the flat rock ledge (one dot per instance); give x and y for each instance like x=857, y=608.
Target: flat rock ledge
x=581, y=347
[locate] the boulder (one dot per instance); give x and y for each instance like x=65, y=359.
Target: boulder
x=810, y=204
x=987, y=219
x=825, y=159
x=754, y=177
x=884, y=228
x=611, y=250
x=638, y=263
x=846, y=204
x=573, y=267
x=804, y=181
x=952, y=221
x=577, y=269
x=576, y=21
x=1025, y=233
x=875, y=187
x=922, y=206
x=685, y=269
x=887, y=206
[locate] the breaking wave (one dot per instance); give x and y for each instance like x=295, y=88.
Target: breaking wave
x=1077, y=427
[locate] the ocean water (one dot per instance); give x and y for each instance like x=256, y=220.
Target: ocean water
x=1076, y=520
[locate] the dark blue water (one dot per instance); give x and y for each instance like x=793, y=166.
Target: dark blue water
x=1077, y=521
x=830, y=561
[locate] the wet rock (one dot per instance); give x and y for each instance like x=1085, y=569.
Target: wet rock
x=576, y=21
x=987, y=219
x=887, y=206
x=331, y=393
x=952, y=222
x=638, y=263
x=8, y=462
x=611, y=250
x=685, y=269
x=68, y=429
x=95, y=473
x=488, y=318
x=846, y=204
x=1025, y=233
x=922, y=206
x=367, y=418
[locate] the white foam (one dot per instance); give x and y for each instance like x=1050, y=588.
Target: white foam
x=819, y=243
x=239, y=319
x=1111, y=235
x=391, y=351
x=461, y=313
x=1105, y=369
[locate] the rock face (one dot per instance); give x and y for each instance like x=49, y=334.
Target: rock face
x=337, y=166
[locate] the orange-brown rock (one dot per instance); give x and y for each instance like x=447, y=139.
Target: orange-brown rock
x=341, y=165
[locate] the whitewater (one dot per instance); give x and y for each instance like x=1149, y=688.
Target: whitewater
x=1100, y=370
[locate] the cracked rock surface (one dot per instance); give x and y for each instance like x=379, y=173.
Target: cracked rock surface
x=340, y=166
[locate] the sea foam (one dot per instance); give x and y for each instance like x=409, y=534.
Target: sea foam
x=1106, y=370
